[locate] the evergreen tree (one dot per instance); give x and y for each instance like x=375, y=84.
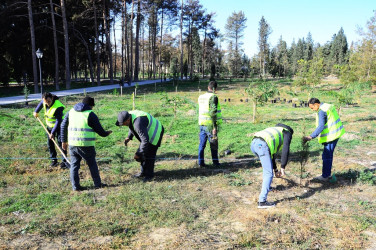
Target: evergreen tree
x=264, y=31
x=236, y=23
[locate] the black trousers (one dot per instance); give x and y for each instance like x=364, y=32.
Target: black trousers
x=147, y=166
x=51, y=145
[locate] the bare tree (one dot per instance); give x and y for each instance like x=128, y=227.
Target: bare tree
x=108, y=40
x=56, y=79
x=33, y=48
x=137, y=45
x=66, y=46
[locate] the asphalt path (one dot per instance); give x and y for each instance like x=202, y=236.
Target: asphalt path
x=33, y=97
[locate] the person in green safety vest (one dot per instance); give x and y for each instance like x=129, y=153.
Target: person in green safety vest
x=209, y=118
x=54, y=115
x=149, y=131
x=265, y=144
x=78, y=129
x=329, y=129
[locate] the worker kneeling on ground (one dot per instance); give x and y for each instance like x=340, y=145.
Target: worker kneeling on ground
x=149, y=131
x=328, y=130
x=82, y=123
x=265, y=144
x=54, y=115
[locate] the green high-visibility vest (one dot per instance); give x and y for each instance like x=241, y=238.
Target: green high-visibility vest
x=50, y=113
x=273, y=137
x=79, y=132
x=333, y=128
x=204, y=118
x=154, y=126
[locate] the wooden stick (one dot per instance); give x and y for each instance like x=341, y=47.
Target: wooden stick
x=61, y=151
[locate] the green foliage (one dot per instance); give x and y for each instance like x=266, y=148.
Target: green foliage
x=173, y=102
x=350, y=92
x=261, y=93
x=367, y=177
x=364, y=176
x=115, y=92
x=237, y=180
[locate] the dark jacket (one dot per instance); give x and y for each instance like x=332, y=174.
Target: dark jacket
x=287, y=137
x=58, y=114
x=92, y=120
x=140, y=131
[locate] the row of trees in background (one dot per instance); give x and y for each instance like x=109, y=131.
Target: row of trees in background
x=133, y=39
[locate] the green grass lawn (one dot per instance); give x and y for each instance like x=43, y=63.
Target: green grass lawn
x=187, y=206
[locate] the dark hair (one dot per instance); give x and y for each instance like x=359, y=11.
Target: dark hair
x=313, y=100
x=88, y=101
x=47, y=95
x=212, y=85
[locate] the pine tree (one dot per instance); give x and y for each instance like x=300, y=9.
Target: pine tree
x=263, y=44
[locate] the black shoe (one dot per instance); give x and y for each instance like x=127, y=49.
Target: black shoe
x=147, y=179
x=203, y=165
x=64, y=165
x=103, y=185
x=139, y=175
x=266, y=204
x=217, y=164
x=78, y=189
x=53, y=163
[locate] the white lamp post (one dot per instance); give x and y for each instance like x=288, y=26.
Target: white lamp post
x=39, y=54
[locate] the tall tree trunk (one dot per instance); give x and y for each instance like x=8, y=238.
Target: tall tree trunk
x=115, y=55
x=66, y=46
x=98, y=51
x=33, y=47
x=137, y=45
x=181, y=41
x=131, y=47
x=56, y=79
x=191, y=50
x=203, y=56
x=143, y=52
x=108, y=41
x=127, y=73
x=123, y=14
x=154, y=40
x=161, y=47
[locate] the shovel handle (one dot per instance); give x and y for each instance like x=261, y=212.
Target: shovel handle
x=61, y=151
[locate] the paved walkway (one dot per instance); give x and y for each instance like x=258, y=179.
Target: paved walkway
x=33, y=97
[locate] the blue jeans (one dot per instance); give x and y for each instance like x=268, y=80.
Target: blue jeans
x=261, y=150
x=327, y=158
x=88, y=154
x=205, y=135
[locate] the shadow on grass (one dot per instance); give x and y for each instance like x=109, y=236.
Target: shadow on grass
x=370, y=118
x=348, y=178
x=210, y=170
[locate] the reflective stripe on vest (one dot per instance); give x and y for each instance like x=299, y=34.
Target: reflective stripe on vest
x=154, y=127
x=273, y=137
x=50, y=113
x=79, y=132
x=333, y=128
x=204, y=117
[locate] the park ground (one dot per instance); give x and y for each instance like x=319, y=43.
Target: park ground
x=187, y=206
